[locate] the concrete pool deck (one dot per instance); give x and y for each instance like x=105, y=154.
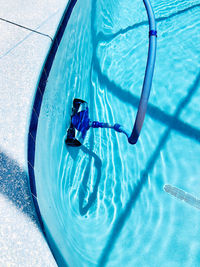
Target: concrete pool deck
x=22, y=54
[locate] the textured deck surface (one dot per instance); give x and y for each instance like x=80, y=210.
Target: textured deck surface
x=22, y=54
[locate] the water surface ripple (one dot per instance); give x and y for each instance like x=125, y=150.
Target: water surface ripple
x=104, y=202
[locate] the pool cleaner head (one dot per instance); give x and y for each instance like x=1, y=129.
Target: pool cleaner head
x=80, y=124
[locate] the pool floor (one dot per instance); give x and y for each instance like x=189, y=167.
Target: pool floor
x=104, y=203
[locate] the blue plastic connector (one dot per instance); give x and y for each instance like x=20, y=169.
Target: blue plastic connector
x=97, y=124
x=117, y=127
x=152, y=33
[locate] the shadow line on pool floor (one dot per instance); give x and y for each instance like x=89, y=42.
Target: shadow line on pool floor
x=109, y=37
x=122, y=218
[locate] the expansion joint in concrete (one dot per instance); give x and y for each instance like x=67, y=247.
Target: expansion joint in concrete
x=26, y=28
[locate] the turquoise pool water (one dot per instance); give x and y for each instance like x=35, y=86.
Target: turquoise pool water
x=104, y=203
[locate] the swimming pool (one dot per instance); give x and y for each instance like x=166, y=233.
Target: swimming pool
x=104, y=203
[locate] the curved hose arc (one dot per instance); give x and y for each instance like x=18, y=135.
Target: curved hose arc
x=148, y=75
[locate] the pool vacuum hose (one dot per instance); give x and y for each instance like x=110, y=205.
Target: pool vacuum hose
x=80, y=122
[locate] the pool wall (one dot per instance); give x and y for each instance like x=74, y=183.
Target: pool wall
x=35, y=115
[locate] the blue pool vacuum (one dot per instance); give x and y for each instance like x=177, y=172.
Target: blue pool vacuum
x=80, y=122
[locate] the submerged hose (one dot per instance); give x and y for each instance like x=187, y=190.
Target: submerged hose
x=148, y=75
x=80, y=119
